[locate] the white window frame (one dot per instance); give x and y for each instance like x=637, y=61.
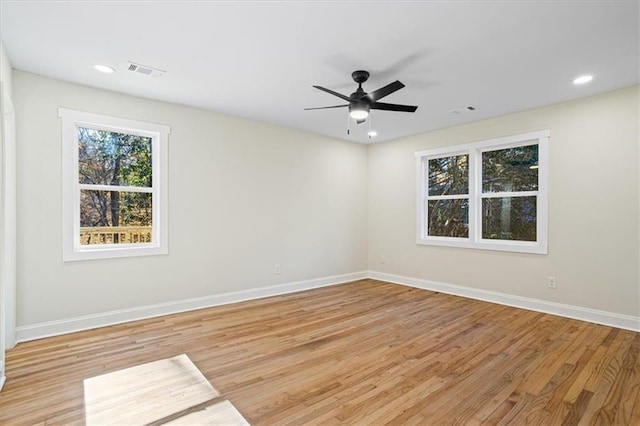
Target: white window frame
x=159, y=134
x=475, y=150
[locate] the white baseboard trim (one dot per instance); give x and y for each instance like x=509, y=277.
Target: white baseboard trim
x=70, y=325
x=626, y=322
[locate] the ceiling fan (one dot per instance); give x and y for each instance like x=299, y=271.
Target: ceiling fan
x=361, y=102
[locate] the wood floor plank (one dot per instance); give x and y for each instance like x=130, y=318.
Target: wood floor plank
x=367, y=352
x=619, y=403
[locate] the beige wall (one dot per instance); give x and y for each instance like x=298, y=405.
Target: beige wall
x=593, y=208
x=242, y=197
x=246, y=195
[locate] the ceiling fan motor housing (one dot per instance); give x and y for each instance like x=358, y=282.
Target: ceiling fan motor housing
x=360, y=76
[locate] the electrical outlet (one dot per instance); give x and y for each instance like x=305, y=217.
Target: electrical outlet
x=276, y=268
x=552, y=283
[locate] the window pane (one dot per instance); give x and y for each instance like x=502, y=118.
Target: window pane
x=510, y=170
x=112, y=217
x=110, y=158
x=448, y=218
x=509, y=218
x=449, y=175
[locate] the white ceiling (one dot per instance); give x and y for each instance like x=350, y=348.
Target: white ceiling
x=259, y=59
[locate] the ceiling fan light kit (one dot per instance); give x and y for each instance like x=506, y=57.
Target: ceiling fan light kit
x=360, y=103
x=359, y=111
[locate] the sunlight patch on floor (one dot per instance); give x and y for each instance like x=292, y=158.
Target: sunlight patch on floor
x=151, y=392
x=222, y=413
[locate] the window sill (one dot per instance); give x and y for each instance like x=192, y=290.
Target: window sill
x=501, y=245
x=110, y=252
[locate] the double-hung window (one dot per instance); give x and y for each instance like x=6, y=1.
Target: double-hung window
x=487, y=195
x=114, y=186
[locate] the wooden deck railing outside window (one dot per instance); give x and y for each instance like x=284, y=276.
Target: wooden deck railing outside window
x=115, y=235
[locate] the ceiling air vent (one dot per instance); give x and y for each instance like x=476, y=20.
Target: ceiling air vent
x=146, y=70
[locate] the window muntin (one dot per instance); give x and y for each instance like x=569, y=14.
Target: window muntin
x=489, y=195
x=115, y=181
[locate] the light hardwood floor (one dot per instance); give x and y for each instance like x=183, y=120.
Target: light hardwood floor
x=367, y=352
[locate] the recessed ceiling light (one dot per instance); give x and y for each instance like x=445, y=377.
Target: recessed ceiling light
x=372, y=134
x=104, y=68
x=583, y=79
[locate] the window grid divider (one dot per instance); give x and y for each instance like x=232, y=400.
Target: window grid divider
x=94, y=187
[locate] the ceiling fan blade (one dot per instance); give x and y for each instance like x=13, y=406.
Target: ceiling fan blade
x=334, y=106
x=360, y=121
x=393, y=107
x=384, y=91
x=340, y=95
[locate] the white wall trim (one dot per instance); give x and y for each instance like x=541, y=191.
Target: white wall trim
x=7, y=224
x=611, y=319
x=70, y=325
